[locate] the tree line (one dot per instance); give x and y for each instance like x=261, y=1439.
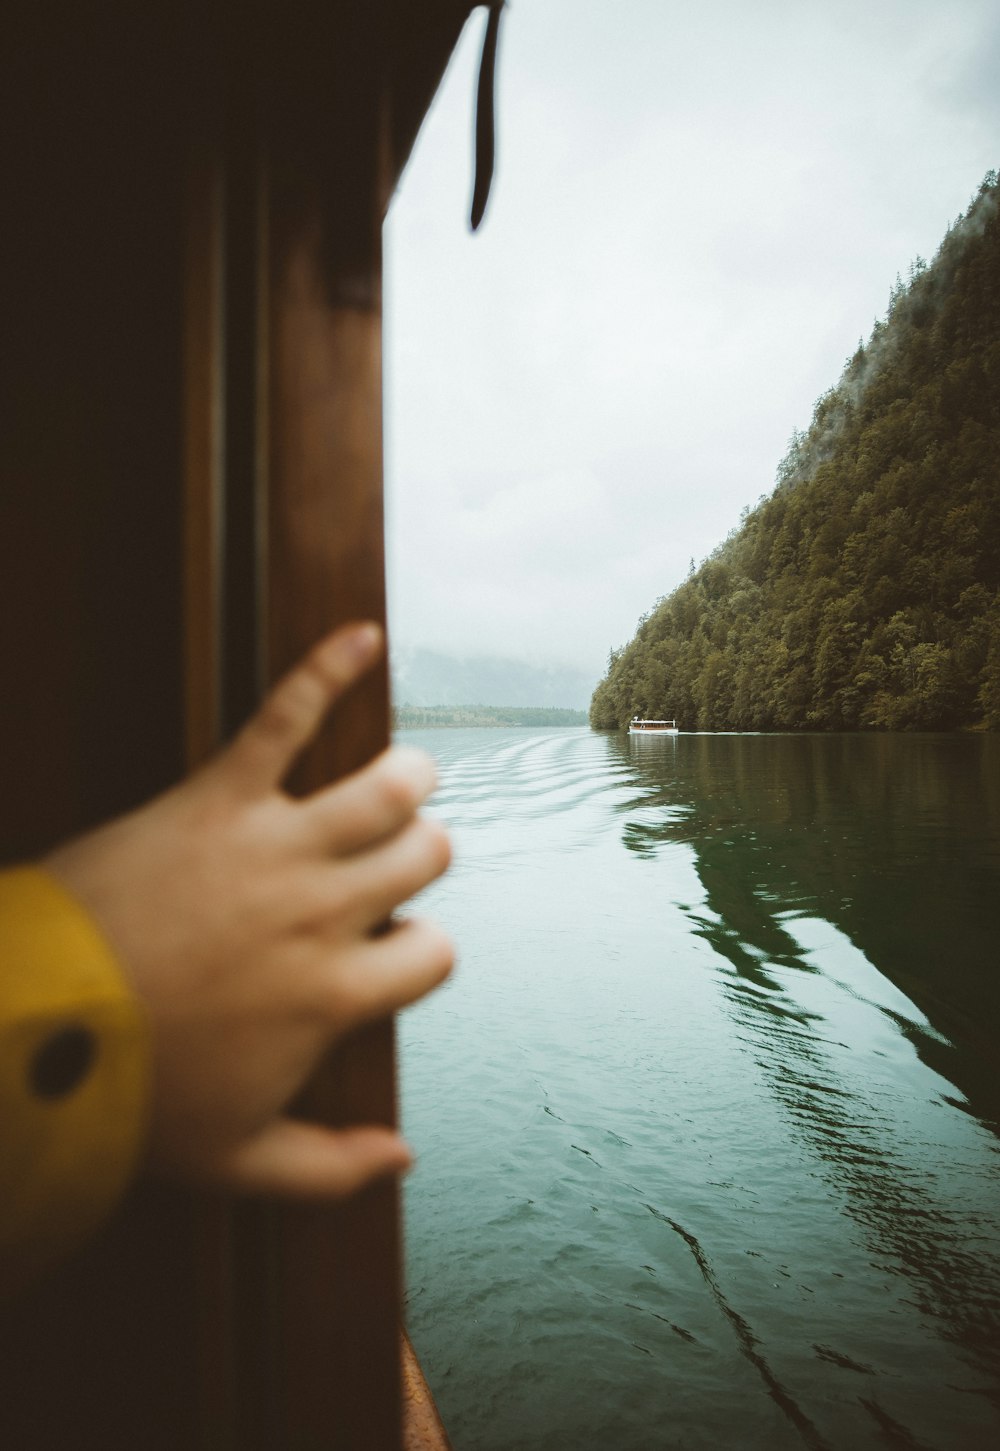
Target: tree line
x=864, y=591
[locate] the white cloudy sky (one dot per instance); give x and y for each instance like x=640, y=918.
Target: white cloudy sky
x=698, y=209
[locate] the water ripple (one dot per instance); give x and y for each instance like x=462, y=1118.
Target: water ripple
x=715, y=979
x=747, y=1340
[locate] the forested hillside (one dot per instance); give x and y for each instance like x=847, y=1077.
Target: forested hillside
x=864, y=592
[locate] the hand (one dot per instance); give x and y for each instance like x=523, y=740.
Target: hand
x=252, y=925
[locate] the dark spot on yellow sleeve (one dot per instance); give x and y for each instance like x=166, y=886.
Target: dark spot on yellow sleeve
x=62, y=1062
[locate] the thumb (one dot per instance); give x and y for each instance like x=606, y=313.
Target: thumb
x=295, y=1160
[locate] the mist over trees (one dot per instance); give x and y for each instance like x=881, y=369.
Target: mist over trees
x=864, y=591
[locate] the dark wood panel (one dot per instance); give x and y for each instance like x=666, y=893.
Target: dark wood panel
x=163, y=377
x=340, y=1265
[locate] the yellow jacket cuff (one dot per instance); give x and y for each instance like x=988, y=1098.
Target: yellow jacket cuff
x=74, y=1075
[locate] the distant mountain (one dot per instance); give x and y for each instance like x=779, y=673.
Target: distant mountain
x=427, y=678
x=864, y=592
x=424, y=717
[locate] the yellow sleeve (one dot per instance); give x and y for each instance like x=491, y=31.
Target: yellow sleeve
x=74, y=1075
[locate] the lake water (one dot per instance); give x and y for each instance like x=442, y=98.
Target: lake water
x=707, y=1118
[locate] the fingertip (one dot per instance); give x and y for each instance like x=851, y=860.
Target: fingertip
x=290, y=1159
x=362, y=641
x=434, y=948
x=404, y=1159
x=413, y=768
x=380, y=1154
x=438, y=845
x=369, y=1155
x=293, y=710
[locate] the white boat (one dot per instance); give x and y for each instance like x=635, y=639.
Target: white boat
x=638, y=727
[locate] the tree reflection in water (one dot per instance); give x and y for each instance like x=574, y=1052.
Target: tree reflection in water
x=850, y=886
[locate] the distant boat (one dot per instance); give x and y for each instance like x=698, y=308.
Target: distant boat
x=637, y=727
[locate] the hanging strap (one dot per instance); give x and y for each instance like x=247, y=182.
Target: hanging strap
x=485, y=127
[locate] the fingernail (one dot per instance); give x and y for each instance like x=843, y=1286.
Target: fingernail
x=365, y=641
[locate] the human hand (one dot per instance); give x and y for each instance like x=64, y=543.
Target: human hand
x=252, y=925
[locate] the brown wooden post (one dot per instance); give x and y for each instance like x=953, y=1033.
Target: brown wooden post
x=340, y=1266
x=331, y=1275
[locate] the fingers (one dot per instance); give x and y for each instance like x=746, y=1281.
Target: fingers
x=389, y=972
x=262, y=754
x=370, y=886
x=372, y=804
x=295, y=1160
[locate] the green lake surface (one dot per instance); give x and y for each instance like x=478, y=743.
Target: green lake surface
x=707, y=1118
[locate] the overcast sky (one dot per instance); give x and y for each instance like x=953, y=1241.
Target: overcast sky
x=698, y=209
